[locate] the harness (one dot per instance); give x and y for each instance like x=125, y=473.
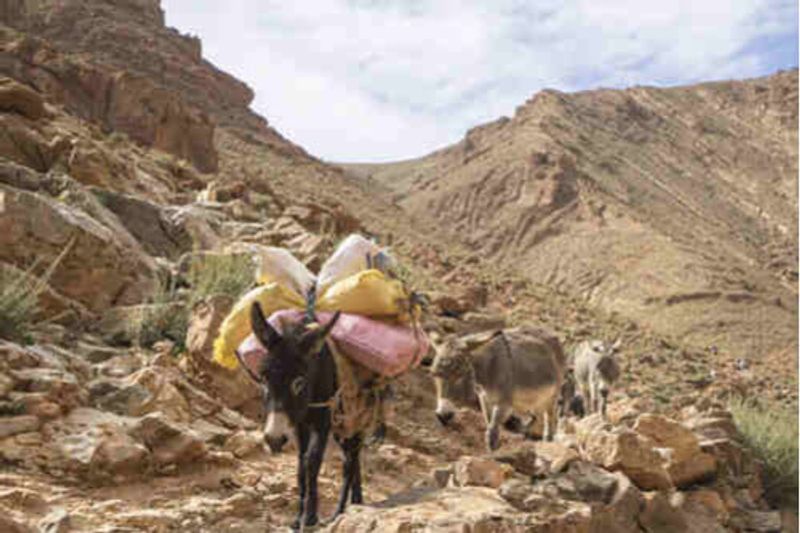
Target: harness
x=357, y=404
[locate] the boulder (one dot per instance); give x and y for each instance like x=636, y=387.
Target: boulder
x=660, y=515
x=685, y=462
x=158, y=233
x=99, y=268
x=521, y=456
x=232, y=386
x=169, y=442
x=18, y=424
x=620, y=449
x=244, y=443
x=18, y=98
x=157, y=117
x=95, y=444
x=479, y=471
x=8, y=524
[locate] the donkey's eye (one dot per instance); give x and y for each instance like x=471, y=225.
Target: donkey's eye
x=298, y=385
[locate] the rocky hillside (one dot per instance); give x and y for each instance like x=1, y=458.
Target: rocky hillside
x=132, y=176
x=676, y=208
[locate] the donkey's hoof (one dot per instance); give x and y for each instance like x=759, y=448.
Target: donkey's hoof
x=492, y=440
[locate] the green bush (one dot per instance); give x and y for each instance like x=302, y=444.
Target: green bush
x=219, y=274
x=166, y=314
x=19, y=297
x=772, y=435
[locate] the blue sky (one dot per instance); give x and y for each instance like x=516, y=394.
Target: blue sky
x=383, y=80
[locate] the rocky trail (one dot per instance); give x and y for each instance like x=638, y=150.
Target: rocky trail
x=134, y=177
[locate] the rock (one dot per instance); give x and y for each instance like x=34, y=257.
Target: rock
x=101, y=267
x=198, y=223
x=95, y=443
x=624, y=450
x=157, y=117
x=760, y=521
x=244, y=443
x=163, y=395
x=19, y=98
x=169, y=442
x=211, y=433
x=730, y=455
x=58, y=385
x=233, y=387
x=158, y=233
x=621, y=513
x=557, y=455
x=479, y=471
x=660, y=516
x=9, y=525
x=29, y=501
x=582, y=482
x=686, y=463
x=521, y=456
x=705, y=501
x=18, y=424
x=56, y=521
x=476, y=509
x=147, y=519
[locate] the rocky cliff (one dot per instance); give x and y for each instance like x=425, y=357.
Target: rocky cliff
x=675, y=207
x=133, y=175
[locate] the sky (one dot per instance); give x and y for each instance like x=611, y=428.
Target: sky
x=386, y=80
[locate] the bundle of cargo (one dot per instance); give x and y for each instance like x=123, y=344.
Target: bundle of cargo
x=376, y=337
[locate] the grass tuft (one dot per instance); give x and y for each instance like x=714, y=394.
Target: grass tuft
x=772, y=435
x=166, y=315
x=19, y=297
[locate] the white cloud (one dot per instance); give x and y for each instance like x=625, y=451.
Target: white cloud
x=390, y=79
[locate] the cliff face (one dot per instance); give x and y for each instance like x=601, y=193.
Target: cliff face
x=675, y=207
x=115, y=63
x=133, y=177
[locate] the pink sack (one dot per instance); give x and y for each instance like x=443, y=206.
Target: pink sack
x=387, y=349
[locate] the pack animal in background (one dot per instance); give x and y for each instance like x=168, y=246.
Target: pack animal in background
x=596, y=372
x=515, y=370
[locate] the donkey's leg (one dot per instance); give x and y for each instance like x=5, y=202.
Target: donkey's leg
x=314, y=455
x=357, y=498
x=551, y=421
x=350, y=448
x=483, y=399
x=499, y=415
x=302, y=445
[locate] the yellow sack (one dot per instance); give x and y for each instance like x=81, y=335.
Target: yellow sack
x=367, y=293
x=236, y=326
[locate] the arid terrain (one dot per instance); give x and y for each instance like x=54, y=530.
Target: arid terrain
x=133, y=173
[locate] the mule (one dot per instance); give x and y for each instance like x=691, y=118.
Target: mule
x=299, y=381
x=519, y=369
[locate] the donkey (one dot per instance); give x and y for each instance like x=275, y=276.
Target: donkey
x=518, y=369
x=596, y=370
x=569, y=401
x=298, y=380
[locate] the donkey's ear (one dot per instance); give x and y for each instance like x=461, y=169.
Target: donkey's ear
x=617, y=344
x=263, y=330
x=329, y=326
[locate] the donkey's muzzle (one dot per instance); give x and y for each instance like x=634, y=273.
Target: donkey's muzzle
x=276, y=444
x=445, y=418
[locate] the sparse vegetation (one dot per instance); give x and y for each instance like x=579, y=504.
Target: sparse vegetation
x=771, y=432
x=166, y=315
x=19, y=297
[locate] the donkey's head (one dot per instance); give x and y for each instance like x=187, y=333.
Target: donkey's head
x=453, y=376
x=288, y=373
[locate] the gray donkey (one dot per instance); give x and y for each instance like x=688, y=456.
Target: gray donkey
x=596, y=371
x=519, y=369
